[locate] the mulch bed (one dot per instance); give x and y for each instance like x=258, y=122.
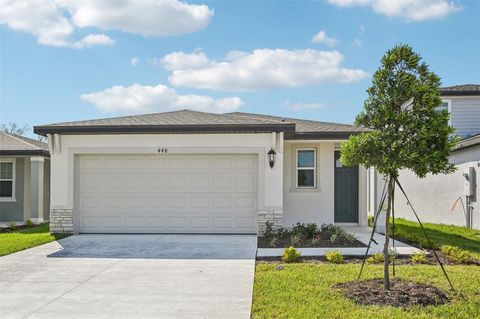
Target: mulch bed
x=402, y=293
x=324, y=242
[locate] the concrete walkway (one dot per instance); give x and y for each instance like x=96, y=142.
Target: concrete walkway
x=361, y=233
x=131, y=276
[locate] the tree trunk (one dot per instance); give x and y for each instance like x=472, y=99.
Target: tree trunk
x=386, y=272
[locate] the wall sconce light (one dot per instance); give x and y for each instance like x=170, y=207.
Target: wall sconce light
x=271, y=157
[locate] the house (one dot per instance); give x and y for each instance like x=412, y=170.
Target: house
x=446, y=199
x=196, y=172
x=24, y=180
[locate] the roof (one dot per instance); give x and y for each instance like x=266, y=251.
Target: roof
x=20, y=145
x=464, y=89
x=307, y=129
x=468, y=142
x=183, y=121
x=187, y=121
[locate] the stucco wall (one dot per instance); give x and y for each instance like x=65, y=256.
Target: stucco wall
x=316, y=205
x=13, y=211
x=434, y=196
x=46, y=190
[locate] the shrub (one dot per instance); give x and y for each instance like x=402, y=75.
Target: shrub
x=457, y=255
x=291, y=255
x=419, y=258
x=334, y=257
x=305, y=231
x=30, y=223
x=268, y=233
x=295, y=239
x=376, y=258
x=339, y=233
x=327, y=228
x=12, y=226
x=316, y=239
x=272, y=236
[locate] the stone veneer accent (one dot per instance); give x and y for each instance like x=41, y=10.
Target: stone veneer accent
x=273, y=216
x=61, y=221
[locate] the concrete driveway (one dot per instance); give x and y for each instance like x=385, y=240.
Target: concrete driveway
x=131, y=276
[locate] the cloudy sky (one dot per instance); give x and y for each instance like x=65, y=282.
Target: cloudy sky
x=65, y=60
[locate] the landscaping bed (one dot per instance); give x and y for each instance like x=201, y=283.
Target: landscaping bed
x=401, y=294
x=307, y=236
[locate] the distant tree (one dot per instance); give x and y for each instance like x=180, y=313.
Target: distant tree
x=15, y=129
x=407, y=129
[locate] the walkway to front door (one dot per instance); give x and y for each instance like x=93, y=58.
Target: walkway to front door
x=346, y=192
x=131, y=276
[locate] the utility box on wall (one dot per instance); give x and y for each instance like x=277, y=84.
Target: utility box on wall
x=469, y=183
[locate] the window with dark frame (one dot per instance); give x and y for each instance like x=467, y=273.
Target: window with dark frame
x=6, y=179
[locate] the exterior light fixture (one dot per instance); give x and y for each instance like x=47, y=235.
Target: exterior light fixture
x=271, y=157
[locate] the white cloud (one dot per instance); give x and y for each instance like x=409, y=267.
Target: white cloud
x=357, y=42
x=144, y=98
x=409, y=10
x=160, y=18
x=134, y=61
x=260, y=69
x=299, y=106
x=54, y=22
x=321, y=37
x=93, y=39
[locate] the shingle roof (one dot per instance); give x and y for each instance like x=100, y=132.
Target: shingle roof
x=20, y=145
x=183, y=121
x=468, y=142
x=307, y=129
x=186, y=121
x=464, y=89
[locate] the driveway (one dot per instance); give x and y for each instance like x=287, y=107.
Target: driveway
x=131, y=276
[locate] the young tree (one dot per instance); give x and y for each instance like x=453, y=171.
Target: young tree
x=14, y=128
x=407, y=131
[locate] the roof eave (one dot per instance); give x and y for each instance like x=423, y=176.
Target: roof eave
x=326, y=135
x=460, y=93
x=165, y=129
x=44, y=153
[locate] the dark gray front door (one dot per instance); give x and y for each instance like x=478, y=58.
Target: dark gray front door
x=346, y=192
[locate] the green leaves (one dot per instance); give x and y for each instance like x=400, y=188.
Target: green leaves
x=407, y=131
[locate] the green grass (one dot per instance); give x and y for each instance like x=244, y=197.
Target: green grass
x=305, y=291
x=26, y=238
x=461, y=237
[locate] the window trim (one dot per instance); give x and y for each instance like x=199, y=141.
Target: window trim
x=13, y=179
x=306, y=168
x=449, y=109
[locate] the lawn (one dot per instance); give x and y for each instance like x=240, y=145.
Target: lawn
x=305, y=291
x=26, y=238
x=464, y=238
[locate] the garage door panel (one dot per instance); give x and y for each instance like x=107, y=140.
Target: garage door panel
x=167, y=194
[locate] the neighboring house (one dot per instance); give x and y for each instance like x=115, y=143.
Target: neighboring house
x=24, y=179
x=447, y=199
x=195, y=172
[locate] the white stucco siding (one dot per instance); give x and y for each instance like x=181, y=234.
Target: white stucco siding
x=309, y=205
x=465, y=115
x=269, y=182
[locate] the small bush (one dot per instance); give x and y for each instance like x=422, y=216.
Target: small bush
x=376, y=258
x=419, y=258
x=304, y=231
x=334, y=257
x=29, y=223
x=457, y=255
x=291, y=255
x=295, y=239
x=12, y=226
x=316, y=239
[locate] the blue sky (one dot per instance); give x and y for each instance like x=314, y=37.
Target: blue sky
x=226, y=55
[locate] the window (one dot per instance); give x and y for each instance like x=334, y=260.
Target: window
x=7, y=180
x=442, y=107
x=306, y=168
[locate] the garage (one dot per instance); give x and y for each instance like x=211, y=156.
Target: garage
x=166, y=193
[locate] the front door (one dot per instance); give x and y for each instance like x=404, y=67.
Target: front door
x=346, y=192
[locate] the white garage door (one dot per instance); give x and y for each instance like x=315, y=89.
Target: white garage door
x=166, y=194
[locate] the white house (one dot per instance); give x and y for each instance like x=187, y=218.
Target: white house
x=446, y=199
x=195, y=172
